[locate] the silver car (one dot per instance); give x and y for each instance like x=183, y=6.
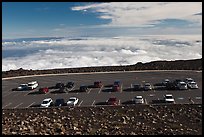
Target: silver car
x=139, y=100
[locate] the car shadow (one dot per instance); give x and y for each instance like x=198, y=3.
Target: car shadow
x=53, y=87
x=108, y=86
x=35, y=93
x=35, y=105
x=101, y=103
x=57, y=92
x=129, y=102
x=158, y=101
x=76, y=91
x=107, y=90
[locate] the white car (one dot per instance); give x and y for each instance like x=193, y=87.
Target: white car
x=147, y=86
x=22, y=87
x=139, y=100
x=46, y=102
x=33, y=85
x=182, y=85
x=192, y=85
x=72, y=101
x=169, y=98
x=188, y=80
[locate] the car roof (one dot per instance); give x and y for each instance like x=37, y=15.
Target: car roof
x=47, y=99
x=138, y=96
x=189, y=79
x=168, y=95
x=182, y=82
x=73, y=98
x=23, y=84
x=32, y=82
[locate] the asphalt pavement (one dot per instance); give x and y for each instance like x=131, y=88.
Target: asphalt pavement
x=98, y=96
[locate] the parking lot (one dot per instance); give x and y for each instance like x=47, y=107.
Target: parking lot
x=98, y=96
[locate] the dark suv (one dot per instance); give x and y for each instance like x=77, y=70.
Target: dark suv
x=83, y=88
x=59, y=85
x=70, y=84
x=60, y=102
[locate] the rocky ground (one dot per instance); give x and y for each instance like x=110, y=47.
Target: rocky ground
x=110, y=120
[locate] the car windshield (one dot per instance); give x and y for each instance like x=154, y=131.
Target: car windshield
x=183, y=84
x=71, y=99
x=168, y=97
x=45, y=102
x=59, y=100
x=30, y=84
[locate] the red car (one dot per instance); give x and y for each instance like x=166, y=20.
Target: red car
x=116, y=88
x=112, y=101
x=98, y=84
x=44, y=90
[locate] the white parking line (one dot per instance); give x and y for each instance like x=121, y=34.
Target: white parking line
x=30, y=105
x=71, y=89
x=89, y=90
x=7, y=105
x=18, y=105
x=100, y=89
x=93, y=103
x=80, y=103
x=145, y=101
x=121, y=88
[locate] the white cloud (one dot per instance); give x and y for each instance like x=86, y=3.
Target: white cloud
x=144, y=13
x=67, y=53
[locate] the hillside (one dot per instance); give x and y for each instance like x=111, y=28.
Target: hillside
x=195, y=64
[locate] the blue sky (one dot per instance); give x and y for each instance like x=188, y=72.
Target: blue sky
x=44, y=19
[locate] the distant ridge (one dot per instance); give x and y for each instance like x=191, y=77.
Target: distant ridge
x=194, y=64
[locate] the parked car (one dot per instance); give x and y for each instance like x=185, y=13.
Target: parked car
x=147, y=86
x=32, y=85
x=70, y=84
x=72, y=101
x=182, y=85
x=112, y=101
x=47, y=102
x=166, y=81
x=97, y=84
x=22, y=87
x=117, y=82
x=59, y=102
x=188, y=80
x=59, y=85
x=115, y=88
x=44, y=90
x=192, y=85
x=83, y=88
x=137, y=87
x=171, y=86
x=169, y=98
x=139, y=100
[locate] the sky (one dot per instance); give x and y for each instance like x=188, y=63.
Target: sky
x=47, y=35
x=76, y=19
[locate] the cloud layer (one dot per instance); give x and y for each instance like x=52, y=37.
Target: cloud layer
x=145, y=13
x=90, y=51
